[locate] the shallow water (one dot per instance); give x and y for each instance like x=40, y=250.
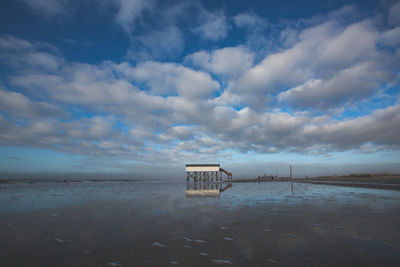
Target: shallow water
x=152, y=223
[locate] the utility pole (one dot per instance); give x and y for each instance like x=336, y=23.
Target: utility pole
x=291, y=181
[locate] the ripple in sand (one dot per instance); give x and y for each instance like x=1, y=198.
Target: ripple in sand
x=59, y=240
x=272, y=261
x=317, y=224
x=386, y=243
x=156, y=244
x=228, y=238
x=221, y=261
x=203, y=254
x=194, y=240
x=114, y=263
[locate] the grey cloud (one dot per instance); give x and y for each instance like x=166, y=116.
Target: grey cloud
x=300, y=133
x=182, y=133
x=394, y=15
x=356, y=82
x=107, y=87
x=18, y=105
x=86, y=136
x=391, y=37
x=327, y=52
x=48, y=7
x=19, y=53
x=176, y=107
x=379, y=128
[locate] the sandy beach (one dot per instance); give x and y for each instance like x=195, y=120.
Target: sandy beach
x=153, y=223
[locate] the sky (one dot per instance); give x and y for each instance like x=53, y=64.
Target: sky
x=142, y=87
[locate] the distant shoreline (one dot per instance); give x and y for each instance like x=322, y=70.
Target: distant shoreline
x=387, y=181
x=44, y=180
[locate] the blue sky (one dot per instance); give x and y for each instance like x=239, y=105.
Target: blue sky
x=142, y=87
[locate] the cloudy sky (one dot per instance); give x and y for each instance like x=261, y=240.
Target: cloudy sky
x=142, y=87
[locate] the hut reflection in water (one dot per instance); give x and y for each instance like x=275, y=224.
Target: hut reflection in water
x=206, y=188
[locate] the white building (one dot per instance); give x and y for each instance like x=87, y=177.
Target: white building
x=206, y=172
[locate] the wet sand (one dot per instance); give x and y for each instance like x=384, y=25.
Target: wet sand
x=154, y=224
x=391, y=182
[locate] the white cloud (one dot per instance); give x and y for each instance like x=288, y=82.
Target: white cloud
x=287, y=67
x=129, y=11
x=213, y=25
x=165, y=43
x=229, y=62
x=169, y=79
x=249, y=20
x=9, y=42
x=350, y=84
x=354, y=44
